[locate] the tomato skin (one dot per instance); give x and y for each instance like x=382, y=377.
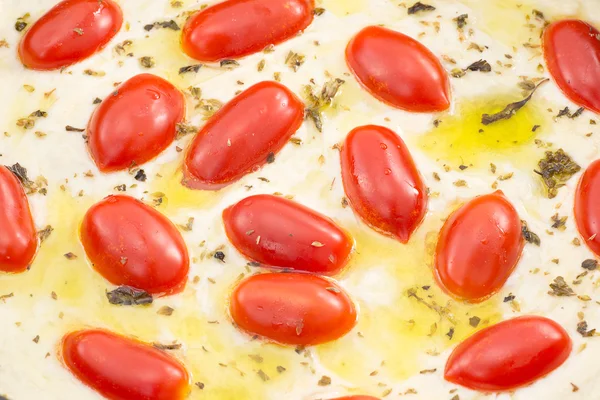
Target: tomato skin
x=130, y=243
x=236, y=28
x=288, y=232
x=53, y=42
x=292, y=308
x=135, y=123
x=121, y=368
x=587, y=208
x=572, y=53
x=478, y=247
x=382, y=182
x=18, y=237
x=509, y=355
x=239, y=137
x=398, y=70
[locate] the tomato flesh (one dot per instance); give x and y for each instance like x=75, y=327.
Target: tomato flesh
x=281, y=233
x=398, y=70
x=382, y=182
x=572, y=53
x=70, y=32
x=478, y=247
x=135, y=123
x=587, y=207
x=121, y=368
x=509, y=355
x=292, y=308
x=236, y=28
x=130, y=243
x=18, y=238
x=242, y=136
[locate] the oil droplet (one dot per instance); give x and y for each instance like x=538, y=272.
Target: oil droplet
x=404, y=316
x=462, y=138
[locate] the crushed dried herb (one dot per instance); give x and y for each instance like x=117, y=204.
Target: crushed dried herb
x=582, y=329
x=528, y=235
x=510, y=109
x=589, y=264
x=560, y=288
x=461, y=20
x=316, y=104
x=172, y=346
x=171, y=24
x=419, y=7
x=190, y=68
x=556, y=169
x=128, y=296
x=294, y=60
x=219, y=255
x=140, y=175
x=147, y=62
x=229, y=64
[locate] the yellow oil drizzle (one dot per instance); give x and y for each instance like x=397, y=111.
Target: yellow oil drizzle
x=344, y=7
x=462, y=138
x=392, y=339
x=494, y=17
x=175, y=196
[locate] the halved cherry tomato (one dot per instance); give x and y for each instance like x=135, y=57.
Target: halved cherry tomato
x=70, y=32
x=382, y=182
x=282, y=233
x=121, y=368
x=508, y=355
x=242, y=136
x=572, y=53
x=130, y=243
x=18, y=238
x=478, y=247
x=236, y=28
x=135, y=123
x=587, y=207
x=398, y=70
x=292, y=308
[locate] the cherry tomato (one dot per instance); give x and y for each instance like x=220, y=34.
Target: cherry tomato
x=382, y=182
x=70, y=32
x=572, y=53
x=242, y=136
x=508, y=355
x=292, y=308
x=587, y=207
x=18, y=238
x=398, y=70
x=130, y=243
x=282, y=233
x=121, y=368
x=236, y=28
x=478, y=247
x=135, y=123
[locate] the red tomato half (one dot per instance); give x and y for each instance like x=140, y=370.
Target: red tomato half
x=282, y=233
x=382, y=182
x=70, y=32
x=508, y=355
x=398, y=70
x=236, y=28
x=478, y=247
x=572, y=53
x=242, y=136
x=292, y=308
x=130, y=243
x=120, y=368
x=18, y=238
x=587, y=207
x=135, y=123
